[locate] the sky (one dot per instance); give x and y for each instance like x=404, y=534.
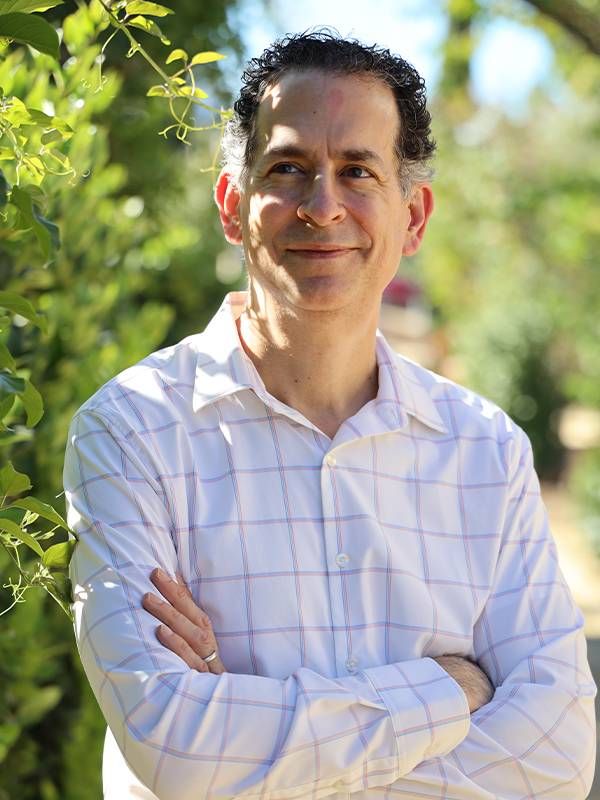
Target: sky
x=414, y=29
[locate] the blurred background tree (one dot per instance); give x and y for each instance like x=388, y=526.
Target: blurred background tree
x=510, y=262
x=509, y=268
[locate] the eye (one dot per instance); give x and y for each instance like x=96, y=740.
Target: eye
x=357, y=172
x=285, y=168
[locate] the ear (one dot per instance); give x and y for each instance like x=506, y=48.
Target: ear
x=420, y=208
x=227, y=197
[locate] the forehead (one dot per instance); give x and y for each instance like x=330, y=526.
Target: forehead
x=306, y=108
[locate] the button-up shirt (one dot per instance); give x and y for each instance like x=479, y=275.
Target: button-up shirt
x=334, y=571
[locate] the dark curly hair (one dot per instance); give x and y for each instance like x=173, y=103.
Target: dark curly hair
x=324, y=49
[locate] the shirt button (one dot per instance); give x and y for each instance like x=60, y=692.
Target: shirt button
x=342, y=559
x=330, y=461
x=352, y=664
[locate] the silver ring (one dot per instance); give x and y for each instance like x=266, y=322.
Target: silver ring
x=210, y=658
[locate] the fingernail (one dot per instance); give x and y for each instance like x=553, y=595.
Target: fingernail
x=159, y=574
x=164, y=631
x=153, y=599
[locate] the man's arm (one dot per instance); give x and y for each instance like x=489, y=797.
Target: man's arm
x=187, y=631
x=188, y=734
x=536, y=738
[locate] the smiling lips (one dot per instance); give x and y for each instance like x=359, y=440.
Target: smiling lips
x=321, y=251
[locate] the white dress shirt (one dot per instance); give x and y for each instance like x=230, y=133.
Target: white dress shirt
x=332, y=570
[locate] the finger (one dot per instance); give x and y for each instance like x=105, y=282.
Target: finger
x=181, y=648
x=182, y=581
x=180, y=598
x=201, y=640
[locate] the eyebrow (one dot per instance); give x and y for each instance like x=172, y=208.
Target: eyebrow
x=351, y=154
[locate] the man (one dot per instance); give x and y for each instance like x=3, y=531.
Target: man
x=374, y=607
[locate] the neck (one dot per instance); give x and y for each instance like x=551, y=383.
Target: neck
x=322, y=363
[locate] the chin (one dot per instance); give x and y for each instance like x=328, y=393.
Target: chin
x=323, y=294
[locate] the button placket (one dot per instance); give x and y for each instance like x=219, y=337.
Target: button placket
x=329, y=479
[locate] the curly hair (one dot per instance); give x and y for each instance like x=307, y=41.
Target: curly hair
x=324, y=49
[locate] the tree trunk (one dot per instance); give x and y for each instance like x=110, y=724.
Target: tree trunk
x=573, y=16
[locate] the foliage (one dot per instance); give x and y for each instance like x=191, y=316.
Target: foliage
x=85, y=286
x=37, y=149
x=509, y=258
x=586, y=489
x=33, y=683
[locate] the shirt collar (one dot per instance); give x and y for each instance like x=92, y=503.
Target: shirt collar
x=223, y=368
x=401, y=382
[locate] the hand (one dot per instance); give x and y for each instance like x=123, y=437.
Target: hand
x=471, y=679
x=187, y=629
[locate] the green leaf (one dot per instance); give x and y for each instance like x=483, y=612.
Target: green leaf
x=46, y=232
x=150, y=27
x=38, y=704
x=62, y=591
x=58, y=555
x=4, y=187
x=152, y=9
x=10, y=384
x=39, y=117
x=22, y=200
x=62, y=127
x=33, y=404
x=5, y=408
x=206, y=58
x=27, y=6
x=53, y=135
x=15, y=514
x=50, y=226
x=158, y=91
x=187, y=91
x=6, y=358
x=19, y=305
x=9, y=733
x=16, y=113
x=13, y=482
x=43, y=509
x=176, y=55
x=32, y=30
x=15, y=530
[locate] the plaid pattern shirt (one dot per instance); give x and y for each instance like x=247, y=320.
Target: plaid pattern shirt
x=332, y=570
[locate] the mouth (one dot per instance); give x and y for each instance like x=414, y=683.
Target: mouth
x=321, y=251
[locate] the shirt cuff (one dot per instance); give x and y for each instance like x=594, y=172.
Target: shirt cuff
x=429, y=711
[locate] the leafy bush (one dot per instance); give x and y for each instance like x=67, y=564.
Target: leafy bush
x=77, y=314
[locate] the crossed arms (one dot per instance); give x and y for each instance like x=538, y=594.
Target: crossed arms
x=187, y=631
x=404, y=726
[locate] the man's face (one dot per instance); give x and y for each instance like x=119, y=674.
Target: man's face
x=322, y=218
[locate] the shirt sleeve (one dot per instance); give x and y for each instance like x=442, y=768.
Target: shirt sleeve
x=536, y=738
x=190, y=735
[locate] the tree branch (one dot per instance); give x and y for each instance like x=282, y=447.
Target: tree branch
x=573, y=16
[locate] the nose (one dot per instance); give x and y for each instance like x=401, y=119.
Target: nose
x=321, y=204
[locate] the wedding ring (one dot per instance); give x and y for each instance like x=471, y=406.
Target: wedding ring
x=210, y=658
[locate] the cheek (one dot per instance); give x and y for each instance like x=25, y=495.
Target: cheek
x=265, y=215
x=384, y=227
